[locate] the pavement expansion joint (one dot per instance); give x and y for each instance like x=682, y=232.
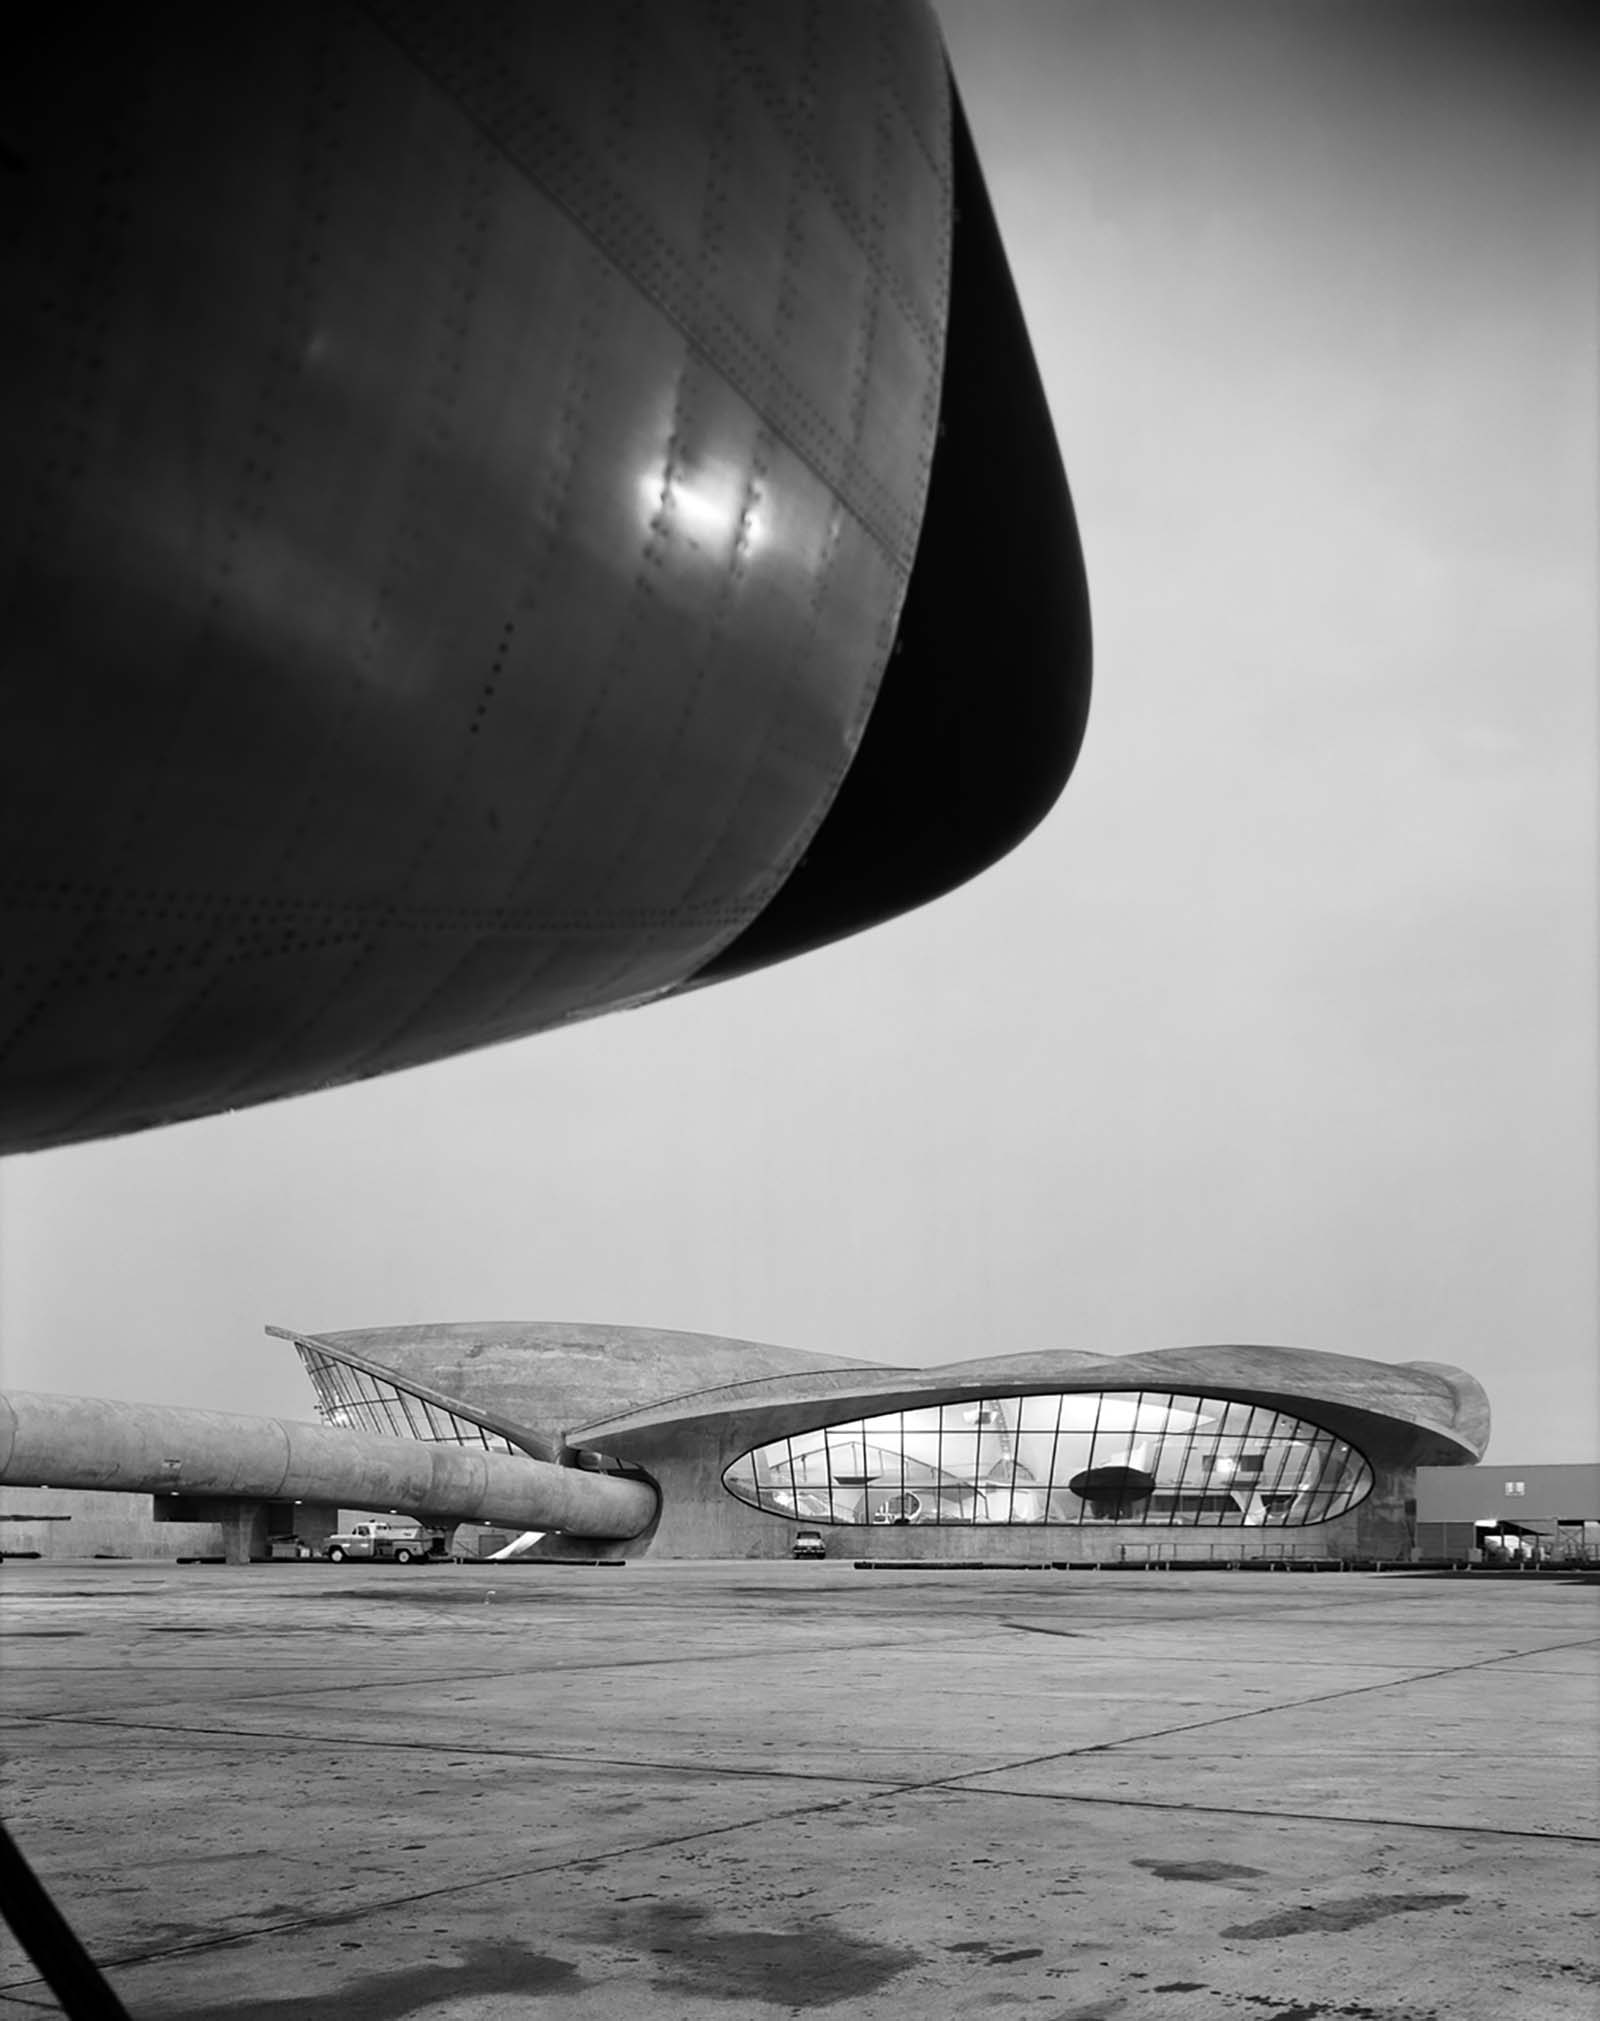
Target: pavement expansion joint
x=341, y=1743
x=1305, y=1704
x=958, y=1786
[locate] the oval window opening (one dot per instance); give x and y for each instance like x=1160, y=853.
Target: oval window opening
x=1136, y=1457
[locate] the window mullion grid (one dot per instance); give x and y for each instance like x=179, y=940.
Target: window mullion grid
x=1094, y=1446
x=1356, y=1479
x=1050, y=1472
x=329, y=1395
x=1330, y=1481
x=1252, y=1439
x=1320, y=1494
x=1133, y=1447
x=1319, y=1497
x=1283, y=1431
x=1183, y=1471
x=383, y=1408
x=1332, y=1473
x=366, y=1409
x=1228, y=1445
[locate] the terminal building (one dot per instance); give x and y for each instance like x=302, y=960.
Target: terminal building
x=1181, y=1455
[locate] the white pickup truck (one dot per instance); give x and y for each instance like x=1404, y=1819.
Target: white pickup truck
x=399, y=1542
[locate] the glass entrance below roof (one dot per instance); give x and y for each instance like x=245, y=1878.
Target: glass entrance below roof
x=1144, y=1457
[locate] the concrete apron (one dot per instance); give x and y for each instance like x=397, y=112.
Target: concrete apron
x=725, y=1791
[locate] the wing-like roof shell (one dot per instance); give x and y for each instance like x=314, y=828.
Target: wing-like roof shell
x=621, y=1388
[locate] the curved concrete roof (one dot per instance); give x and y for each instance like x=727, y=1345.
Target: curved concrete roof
x=620, y=1388
x=1445, y=1412
x=543, y=1376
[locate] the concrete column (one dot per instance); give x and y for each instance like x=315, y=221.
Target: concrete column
x=244, y=1531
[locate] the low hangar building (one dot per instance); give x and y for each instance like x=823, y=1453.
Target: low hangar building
x=1207, y=1452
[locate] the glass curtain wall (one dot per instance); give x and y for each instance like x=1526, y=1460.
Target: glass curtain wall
x=349, y=1396
x=1134, y=1456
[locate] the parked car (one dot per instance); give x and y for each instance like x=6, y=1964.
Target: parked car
x=810, y=1544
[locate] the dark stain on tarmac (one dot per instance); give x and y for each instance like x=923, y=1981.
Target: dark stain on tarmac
x=1199, y=1870
x=991, y=1954
x=1181, y=1986
x=162, y=1936
x=1344, y=1915
x=812, y=1966
x=389, y=1996
x=1309, y=2010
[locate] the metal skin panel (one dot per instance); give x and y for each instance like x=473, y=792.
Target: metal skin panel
x=474, y=462
x=89, y=1442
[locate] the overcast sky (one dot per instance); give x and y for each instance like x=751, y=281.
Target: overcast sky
x=1282, y=1028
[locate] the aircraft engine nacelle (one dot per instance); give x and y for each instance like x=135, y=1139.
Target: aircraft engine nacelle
x=514, y=511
